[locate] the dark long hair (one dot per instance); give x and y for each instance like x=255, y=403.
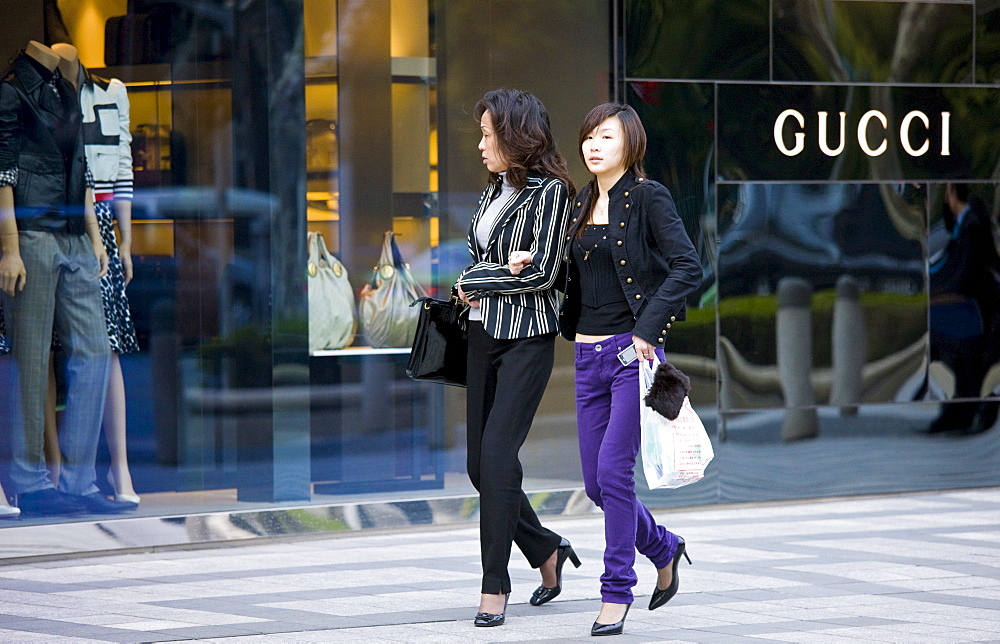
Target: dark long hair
x=635, y=149
x=524, y=138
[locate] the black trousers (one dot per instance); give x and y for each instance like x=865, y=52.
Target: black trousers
x=506, y=380
x=965, y=357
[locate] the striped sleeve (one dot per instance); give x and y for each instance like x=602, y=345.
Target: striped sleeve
x=548, y=228
x=123, y=190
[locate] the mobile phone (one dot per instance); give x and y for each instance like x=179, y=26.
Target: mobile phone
x=627, y=355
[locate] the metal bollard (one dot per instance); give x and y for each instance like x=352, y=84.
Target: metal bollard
x=794, y=342
x=850, y=346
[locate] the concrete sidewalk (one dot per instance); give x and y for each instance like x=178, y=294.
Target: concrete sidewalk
x=903, y=568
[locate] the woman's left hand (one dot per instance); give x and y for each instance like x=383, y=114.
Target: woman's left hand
x=643, y=349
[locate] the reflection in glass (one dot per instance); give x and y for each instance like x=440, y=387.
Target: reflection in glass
x=896, y=42
x=821, y=295
x=697, y=39
x=677, y=118
x=882, y=448
x=964, y=269
x=988, y=46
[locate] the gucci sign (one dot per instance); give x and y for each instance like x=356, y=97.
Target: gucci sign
x=872, y=148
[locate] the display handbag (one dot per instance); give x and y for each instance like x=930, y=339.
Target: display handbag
x=331, y=299
x=441, y=342
x=386, y=316
x=675, y=452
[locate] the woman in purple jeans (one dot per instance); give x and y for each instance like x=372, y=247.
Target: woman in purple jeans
x=629, y=267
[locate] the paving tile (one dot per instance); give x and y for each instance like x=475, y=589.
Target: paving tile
x=22, y=636
x=253, y=639
x=906, y=568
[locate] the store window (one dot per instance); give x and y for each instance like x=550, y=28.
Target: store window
x=279, y=150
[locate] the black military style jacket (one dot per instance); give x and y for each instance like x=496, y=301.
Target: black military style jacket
x=655, y=261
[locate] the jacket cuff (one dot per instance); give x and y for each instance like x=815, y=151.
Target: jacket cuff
x=123, y=190
x=653, y=333
x=8, y=177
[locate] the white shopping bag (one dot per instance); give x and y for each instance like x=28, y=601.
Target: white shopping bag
x=674, y=452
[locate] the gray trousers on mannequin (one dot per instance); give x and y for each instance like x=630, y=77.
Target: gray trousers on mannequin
x=62, y=291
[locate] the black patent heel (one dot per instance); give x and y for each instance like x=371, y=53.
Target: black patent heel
x=490, y=619
x=542, y=594
x=611, y=629
x=661, y=597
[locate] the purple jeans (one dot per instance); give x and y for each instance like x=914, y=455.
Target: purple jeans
x=607, y=412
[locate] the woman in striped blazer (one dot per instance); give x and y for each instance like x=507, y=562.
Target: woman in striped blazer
x=512, y=328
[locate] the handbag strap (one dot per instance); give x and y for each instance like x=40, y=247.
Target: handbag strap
x=318, y=252
x=314, y=241
x=397, y=257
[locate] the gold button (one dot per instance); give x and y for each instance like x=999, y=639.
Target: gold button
x=638, y=297
x=621, y=224
x=626, y=193
x=641, y=179
x=672, y=318
x=622, y=262
x=574, y=220
x=619, y=242
x=626, y=206
x=629, y=280
x=577, y=204
x=668, y=326
x=567, y=237
x=660, y=340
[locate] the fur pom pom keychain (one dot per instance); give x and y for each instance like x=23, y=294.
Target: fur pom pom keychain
x=670, y=387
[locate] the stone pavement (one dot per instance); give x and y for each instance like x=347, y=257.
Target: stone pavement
x=902, y=568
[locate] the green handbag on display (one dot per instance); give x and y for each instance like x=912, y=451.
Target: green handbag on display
x=387, y=319
x=331, y=299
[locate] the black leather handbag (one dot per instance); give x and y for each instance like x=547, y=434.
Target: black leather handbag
x=441, y=342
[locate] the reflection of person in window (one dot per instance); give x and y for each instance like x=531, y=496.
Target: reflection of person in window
x=964, y=307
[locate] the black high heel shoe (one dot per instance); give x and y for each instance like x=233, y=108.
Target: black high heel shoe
x=661, y=597
x=543, y=594
x=611, y=629
x=489, y=619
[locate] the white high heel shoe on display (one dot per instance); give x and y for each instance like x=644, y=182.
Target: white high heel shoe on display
x=124, y=498
x=9, y=512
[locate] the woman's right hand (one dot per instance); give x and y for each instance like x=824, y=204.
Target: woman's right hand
x=465, y=298
x=517, y=260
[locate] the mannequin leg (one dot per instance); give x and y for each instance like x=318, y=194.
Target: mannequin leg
x=114, y=431
x=53, y=457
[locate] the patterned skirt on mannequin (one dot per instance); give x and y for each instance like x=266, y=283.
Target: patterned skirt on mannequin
x=121, y=331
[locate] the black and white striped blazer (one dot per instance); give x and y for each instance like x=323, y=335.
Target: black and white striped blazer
x=534, y=219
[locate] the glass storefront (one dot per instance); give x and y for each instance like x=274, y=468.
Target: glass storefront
x=279, y=149
x=810, y=146
x=303, y=168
